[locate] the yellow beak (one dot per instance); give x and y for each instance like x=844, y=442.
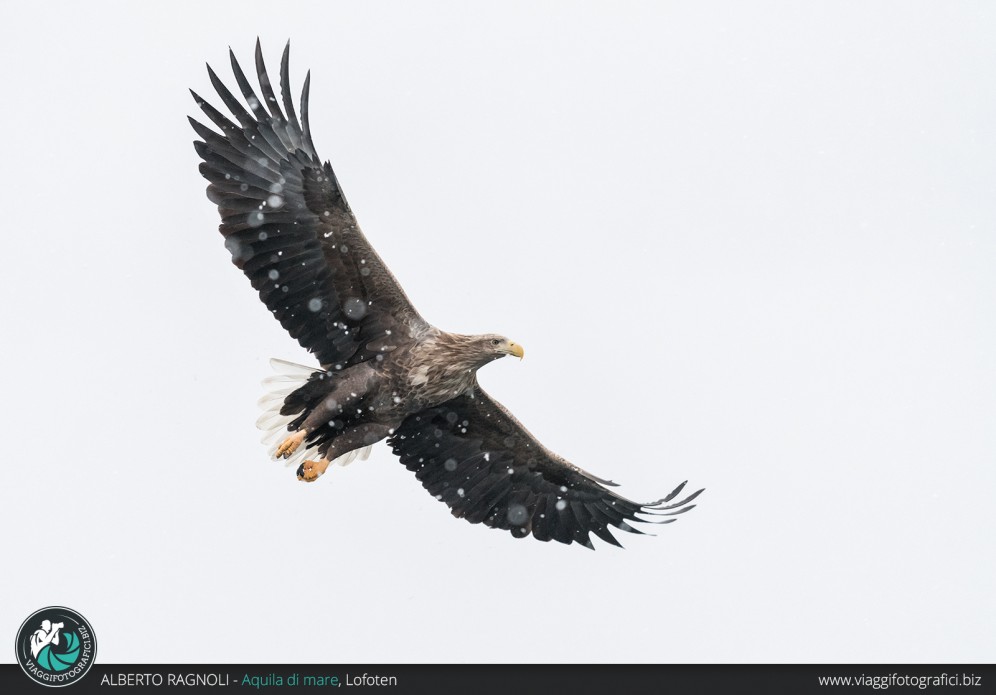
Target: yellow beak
x=516, y=349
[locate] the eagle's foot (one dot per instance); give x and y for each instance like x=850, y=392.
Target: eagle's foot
x=310, y=470
x=290, y=445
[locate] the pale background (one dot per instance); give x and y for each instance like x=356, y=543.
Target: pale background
x=751, y=245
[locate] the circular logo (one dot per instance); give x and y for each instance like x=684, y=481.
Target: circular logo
x=56, y=646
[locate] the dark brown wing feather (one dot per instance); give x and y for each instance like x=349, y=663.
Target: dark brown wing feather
x=289, y=227
x=472, y=454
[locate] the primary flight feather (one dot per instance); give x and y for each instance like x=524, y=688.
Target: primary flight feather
x=385, y=373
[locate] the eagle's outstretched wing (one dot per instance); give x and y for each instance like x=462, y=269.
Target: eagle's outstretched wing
x=472, y=454
x=289, y=228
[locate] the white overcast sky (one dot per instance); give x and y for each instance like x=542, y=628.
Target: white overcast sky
x=747, y=244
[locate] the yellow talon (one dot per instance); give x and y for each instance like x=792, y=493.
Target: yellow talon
x=290, y=445
x=310, y=470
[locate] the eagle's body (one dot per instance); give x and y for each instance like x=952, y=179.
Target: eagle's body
x=385, y=372
x=339, y=411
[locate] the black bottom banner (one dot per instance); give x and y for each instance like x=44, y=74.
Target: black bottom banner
x=485, y=679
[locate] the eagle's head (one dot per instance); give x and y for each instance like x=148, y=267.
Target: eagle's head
x=497, y=346
x=455, y=352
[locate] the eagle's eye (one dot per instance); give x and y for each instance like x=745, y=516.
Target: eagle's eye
x=495, y=341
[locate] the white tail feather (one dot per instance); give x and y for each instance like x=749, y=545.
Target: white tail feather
x=289, y=376
x=355, y=455
x=268, y=399
x=291, y=368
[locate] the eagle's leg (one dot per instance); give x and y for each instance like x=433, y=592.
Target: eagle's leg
x=325, y=404
x=354, y=437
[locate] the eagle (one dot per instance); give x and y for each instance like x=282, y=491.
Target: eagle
x=384, y=372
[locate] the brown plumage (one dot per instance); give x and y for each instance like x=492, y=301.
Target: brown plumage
x=385, y=372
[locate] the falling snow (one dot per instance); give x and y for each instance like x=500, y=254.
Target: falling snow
x=354, y=308
x=517, y=514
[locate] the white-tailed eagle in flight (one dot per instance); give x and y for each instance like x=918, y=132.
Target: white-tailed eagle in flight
x=385, y=373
